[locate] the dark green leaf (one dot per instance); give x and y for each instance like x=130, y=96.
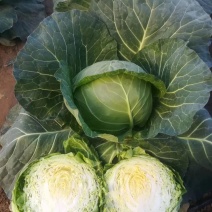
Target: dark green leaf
x=74, y=39
x=7, y=17
x=136, y=24
x=198, y=140
x=207, y=5
x=188, y=82
x=65, y=5
x=21, y=19
x=167, y=150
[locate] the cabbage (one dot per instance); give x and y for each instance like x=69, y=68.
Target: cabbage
x=115, y=101
x=60, y=182
x=144, y=184
x=154, y=51
x=160, y=44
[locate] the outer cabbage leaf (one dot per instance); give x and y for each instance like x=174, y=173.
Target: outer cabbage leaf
x=207, y=5
x=137, y=24
x=198, y=139
x=27, y=140
x=24, y=17
x=168, y=150
x=7, y=17
x=188, y=82
x=71, y=40
x=190, y=154
x=65, y=5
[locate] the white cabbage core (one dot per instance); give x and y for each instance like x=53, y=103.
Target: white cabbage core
x=61, y=184
x=142, y=184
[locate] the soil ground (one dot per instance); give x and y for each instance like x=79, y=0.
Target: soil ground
x=7, y=81
x=4, y=202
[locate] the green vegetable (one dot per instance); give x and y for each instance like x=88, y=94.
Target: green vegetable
x=75, y=182
x=128, y=103
x=160, y=44
x=57, y=183
x=115, y=100
x=144, y=184
x=88, y=47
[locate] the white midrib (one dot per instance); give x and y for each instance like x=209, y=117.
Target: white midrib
x=128, y=107
x=142, y=44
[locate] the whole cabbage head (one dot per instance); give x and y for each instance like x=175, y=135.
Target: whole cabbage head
x=117, y=99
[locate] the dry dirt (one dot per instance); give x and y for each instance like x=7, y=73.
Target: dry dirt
x=7, y=81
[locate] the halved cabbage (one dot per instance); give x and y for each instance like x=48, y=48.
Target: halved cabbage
x=57, y=183
x=142, y=184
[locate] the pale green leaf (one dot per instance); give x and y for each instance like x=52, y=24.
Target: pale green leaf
x=108, y=152
x=120, y=88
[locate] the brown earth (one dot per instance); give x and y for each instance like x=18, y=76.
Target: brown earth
x=7, y=81
x=4, y=202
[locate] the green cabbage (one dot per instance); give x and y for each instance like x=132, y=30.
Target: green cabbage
x=127, y=102
x=83, y=49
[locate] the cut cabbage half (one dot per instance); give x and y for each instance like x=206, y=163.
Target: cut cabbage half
x=57, y=183
x=142, y=184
